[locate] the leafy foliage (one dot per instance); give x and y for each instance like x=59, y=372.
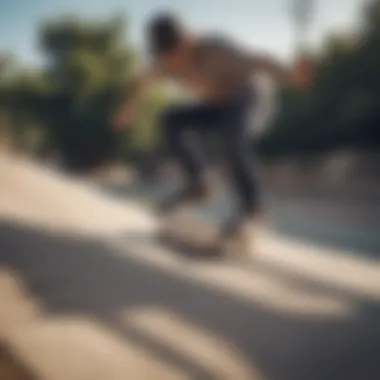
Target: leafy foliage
x=341, y=109
x=67, y=104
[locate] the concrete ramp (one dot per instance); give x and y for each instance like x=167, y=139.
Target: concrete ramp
x=43, y=198
x=112, y=305
x=78, y=349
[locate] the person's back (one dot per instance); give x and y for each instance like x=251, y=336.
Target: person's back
x=213, y=67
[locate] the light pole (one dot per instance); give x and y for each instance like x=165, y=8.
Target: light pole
x=301, y=12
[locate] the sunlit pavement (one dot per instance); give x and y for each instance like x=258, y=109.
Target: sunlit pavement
x=86, y=294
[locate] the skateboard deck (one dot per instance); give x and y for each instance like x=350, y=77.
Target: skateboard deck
x=196, y=231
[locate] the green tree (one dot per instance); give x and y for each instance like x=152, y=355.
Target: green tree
x=342, y=108
x=87, y=67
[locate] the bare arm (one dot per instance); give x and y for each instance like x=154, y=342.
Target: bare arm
x=140, y=83
x=128, y=109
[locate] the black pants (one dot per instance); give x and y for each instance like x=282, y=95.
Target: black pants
x=230, y=122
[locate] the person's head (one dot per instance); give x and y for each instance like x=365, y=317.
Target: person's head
x=166, y=36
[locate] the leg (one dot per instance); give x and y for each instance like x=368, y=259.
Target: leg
x=177, y=124
x=241, y=159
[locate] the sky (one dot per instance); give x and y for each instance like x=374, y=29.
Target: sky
x=257, y=24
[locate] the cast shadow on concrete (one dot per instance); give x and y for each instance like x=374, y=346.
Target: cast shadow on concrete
x=87, y=277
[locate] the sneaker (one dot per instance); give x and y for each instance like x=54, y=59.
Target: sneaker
x=193, y=193
x=236, y=225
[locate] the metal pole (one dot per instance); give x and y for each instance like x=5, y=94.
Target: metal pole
x=301, y=11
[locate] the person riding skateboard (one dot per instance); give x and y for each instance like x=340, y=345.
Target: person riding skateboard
x=220, y=74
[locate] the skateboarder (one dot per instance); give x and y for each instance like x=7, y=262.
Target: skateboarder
x=220, y=75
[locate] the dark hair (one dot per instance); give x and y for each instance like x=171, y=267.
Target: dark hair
x=163, y=33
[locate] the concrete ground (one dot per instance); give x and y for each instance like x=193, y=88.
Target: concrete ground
x=85, y=293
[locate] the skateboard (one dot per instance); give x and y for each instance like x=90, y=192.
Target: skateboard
x=189, y=232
